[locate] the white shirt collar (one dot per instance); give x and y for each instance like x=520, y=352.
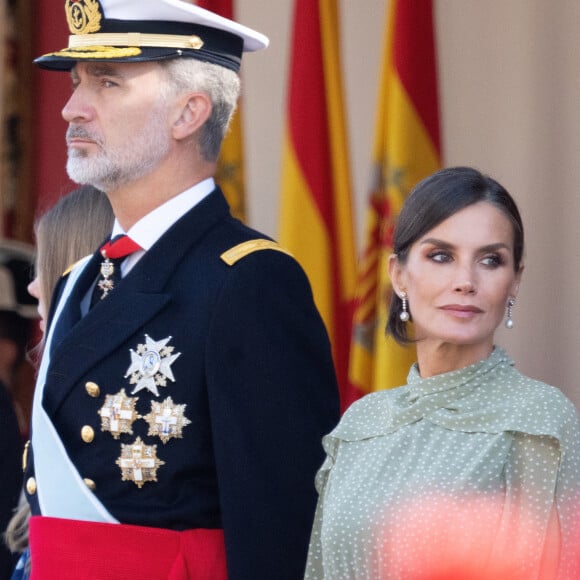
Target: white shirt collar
x=152, y=226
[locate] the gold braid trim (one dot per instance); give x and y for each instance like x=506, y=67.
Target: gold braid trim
x=72, y=266
x=97, y=52
x=135, y=39
x=240, y=251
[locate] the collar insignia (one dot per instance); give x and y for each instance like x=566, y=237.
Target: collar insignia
x=151, y=365
x=118, y=414
x=139, y=462
x=83, y=16
x=166, y=420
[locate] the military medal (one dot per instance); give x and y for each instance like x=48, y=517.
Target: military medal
x=139, y=462
x=151, y=365
x=118, y=414
x=106, y=284
x=166, y=420
x=113, y=252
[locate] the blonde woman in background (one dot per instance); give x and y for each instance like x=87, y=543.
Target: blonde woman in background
x=72, y=228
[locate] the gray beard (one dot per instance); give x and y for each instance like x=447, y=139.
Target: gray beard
x=108, y=174
x=110, y=169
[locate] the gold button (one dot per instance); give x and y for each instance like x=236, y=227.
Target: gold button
x=195, y=42
x=31, y=486
x=92, y=389
x=87, y=434
x=90, y=484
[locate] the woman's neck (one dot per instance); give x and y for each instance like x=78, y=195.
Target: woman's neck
x=436, y=358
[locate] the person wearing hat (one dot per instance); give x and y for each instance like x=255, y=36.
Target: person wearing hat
x=17, y=311
x=187, y=377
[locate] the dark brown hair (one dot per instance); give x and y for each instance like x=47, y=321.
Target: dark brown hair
x=431, y=202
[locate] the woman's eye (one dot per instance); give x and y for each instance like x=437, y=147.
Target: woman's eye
x=492, y=261
x=439, y=256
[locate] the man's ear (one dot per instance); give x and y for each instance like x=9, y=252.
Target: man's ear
x=195, y=111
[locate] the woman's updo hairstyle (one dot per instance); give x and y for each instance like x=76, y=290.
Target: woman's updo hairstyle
x=431, y=202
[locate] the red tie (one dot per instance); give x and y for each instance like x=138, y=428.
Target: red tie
x=119, y=247
x=114, y=252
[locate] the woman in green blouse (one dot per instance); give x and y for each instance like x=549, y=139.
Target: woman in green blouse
x=471, y=470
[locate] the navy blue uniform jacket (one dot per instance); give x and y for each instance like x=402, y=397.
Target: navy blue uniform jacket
x=254, y=371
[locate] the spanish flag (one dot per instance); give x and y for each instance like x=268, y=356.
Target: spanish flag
x=230, y=170
x=315, y=211
x=406, y=149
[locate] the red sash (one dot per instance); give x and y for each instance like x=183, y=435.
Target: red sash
x=63, y=548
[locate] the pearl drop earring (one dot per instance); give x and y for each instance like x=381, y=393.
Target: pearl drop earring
x=404, y=315
x=509, y=323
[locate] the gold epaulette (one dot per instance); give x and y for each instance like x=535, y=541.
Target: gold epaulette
x=233, y=255
x=71, y=267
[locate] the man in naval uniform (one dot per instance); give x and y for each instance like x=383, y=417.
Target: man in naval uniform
x=187, y=378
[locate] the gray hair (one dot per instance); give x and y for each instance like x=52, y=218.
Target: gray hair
x=222, y=86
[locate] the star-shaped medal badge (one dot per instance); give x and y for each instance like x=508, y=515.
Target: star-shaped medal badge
x=166, y=420
x=151, y=365
x=139, y=462
x=118, y=414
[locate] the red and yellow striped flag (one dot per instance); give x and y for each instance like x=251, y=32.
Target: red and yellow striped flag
x=230, y=170
x=315, y=213
x=406, y=149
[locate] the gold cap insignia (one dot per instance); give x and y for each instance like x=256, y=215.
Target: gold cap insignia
x=139, y=462
x=166, y=420
x=83, y=16
x=118, y=414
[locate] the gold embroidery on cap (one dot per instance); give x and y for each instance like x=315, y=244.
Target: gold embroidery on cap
x=118, y=414
x=78, y=41
x=166, y=420
x=139, y=462
x=83, y=16
x=97, y=52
